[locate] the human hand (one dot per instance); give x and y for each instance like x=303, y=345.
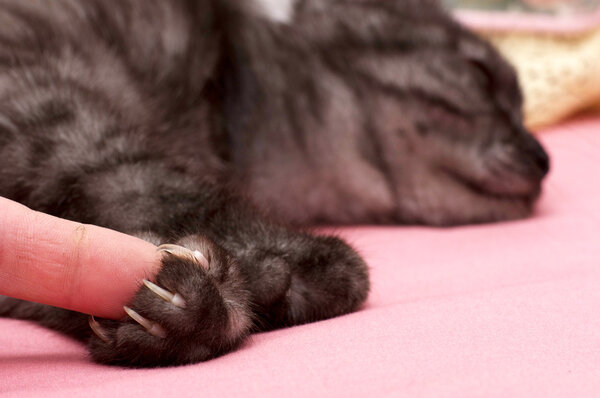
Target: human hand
x=65, y=264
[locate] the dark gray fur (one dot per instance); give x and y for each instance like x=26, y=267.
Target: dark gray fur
x=200, y=122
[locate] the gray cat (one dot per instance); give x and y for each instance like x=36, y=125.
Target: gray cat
x=219, y=126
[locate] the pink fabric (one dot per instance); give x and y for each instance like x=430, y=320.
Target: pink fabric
x=505, y=310
x=515, y=21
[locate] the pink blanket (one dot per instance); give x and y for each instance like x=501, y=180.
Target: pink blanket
x=503, y=310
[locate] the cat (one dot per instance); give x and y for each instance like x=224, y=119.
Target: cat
x=219, y=127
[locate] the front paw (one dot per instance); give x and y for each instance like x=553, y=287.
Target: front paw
x=196, y=309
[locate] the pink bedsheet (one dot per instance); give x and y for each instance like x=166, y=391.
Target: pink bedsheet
x=503, y=310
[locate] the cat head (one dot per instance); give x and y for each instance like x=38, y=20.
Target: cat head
x=400, y=115
x=451, y=135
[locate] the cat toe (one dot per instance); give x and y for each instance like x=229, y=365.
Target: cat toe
x=98, y=330
x=173, y=298
x=151, y=327
x=186, y=254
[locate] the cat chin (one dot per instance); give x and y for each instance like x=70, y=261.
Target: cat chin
x=507, y=183
x=479, y=211
x=499, y=199
x=451, y=200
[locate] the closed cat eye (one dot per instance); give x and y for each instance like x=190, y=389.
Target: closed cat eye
x=482, y=72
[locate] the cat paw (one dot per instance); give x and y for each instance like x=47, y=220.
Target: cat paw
x=196, y=309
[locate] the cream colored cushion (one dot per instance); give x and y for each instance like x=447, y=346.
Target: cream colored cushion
x=559, y=72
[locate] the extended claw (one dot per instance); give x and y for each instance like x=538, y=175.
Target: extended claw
x=166, y=295
x=152, y=327
x=97, y=329
x=181, y=251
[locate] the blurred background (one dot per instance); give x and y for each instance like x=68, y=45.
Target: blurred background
x=535, y=6
x=553, y=44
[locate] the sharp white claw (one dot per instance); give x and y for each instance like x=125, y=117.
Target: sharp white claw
x=152, y=327
x=181, y=251
x=201, y=258
x=166, y=295
x=97, y=329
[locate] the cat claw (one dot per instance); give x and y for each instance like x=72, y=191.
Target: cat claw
x=97, y=329
x=181, y=251
x=152, y=327
x=166, y=295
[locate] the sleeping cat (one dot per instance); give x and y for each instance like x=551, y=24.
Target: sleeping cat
x=219, y=126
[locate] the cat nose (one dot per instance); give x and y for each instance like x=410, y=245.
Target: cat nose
x=538, y=157
x=542, y=160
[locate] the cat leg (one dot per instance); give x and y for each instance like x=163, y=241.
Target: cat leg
x=226, y=271
x=237, y=274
